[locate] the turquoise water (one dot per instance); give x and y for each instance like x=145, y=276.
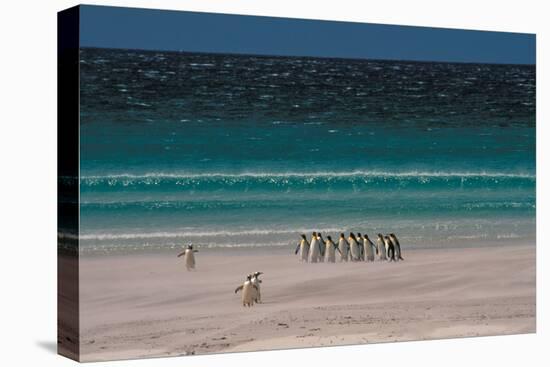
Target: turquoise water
x=226, y=150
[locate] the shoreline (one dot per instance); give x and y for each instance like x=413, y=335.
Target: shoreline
x=289, y=249
x=433, y=294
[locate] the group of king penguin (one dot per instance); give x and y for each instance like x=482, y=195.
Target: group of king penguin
x=354, y=248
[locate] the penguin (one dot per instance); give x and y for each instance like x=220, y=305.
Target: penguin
x=343, y=248
x=189, y=257
x=314, y=248
x=330, y=250
x=321, y=247
x=303, y=247
x=382, y=251
x=390, y=247
x=397, y=246
x=359, y=240
x=353, y=247
x=256, y=281
x=249, y=291
x=368, y=248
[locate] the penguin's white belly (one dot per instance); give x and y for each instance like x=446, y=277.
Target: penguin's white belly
x=314, y=251
x=343, y=251
x=354, y=248
x=369, y=251
x=248, y=294
x=330, y=253
x=189, y=259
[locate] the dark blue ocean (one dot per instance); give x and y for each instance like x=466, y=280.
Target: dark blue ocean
x=227, y=150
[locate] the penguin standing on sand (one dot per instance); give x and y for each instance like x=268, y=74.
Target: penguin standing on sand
x=314, y=248
x=343, y=248
x=368, y=248
x=359, y=240
x=382, y=251
x=353, y=247
x=189, y=257
x=248, y=291
x=397, y=246
x=256, y=281
x=390, y=247
x=330, y=250
x=321, y=247
x=303, y=248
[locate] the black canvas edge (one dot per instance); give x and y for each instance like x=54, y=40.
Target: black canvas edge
x=68, y=121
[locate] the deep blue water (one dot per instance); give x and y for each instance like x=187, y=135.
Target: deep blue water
x=227, y=150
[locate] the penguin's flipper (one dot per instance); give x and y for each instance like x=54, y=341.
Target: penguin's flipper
x=195, y=250
x=297, y=249
x=239, y=288
x=337, y=249
x=255, y=287
x=181, y=254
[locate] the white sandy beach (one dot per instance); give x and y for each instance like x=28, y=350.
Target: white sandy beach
x=135, y=306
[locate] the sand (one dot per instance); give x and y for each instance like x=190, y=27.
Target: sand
x=135, y=306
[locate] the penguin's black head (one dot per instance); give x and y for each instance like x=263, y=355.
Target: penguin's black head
x=351, y=235
x=304, y=236
x=314, y=234
x=342, y=235
x=358, y=234
x=249, y=277
x=258, y=273
x=189, y=247
x=329, y=238
x=380, y=235
x=366, y=235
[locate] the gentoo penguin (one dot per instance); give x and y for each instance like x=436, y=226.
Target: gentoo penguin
x=353, y=247
x=368, y=248
x=314, y=248
x=382, y=251
x=303, y=248
x=390, y=247
x=189, y=257
x=321, y=247
x=330, y=250
x=397, y=246
x=256, y=281
x=343, y=248
x=249, y=291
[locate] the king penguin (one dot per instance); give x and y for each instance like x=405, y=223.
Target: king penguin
x=314, y=248
x=303, y=248
x=390, y=247
x=369, y=248
x=330, y=250
x=382, y=251
x=321, y=247
x=353, y=247
x=343, y=247
x=397, y=246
